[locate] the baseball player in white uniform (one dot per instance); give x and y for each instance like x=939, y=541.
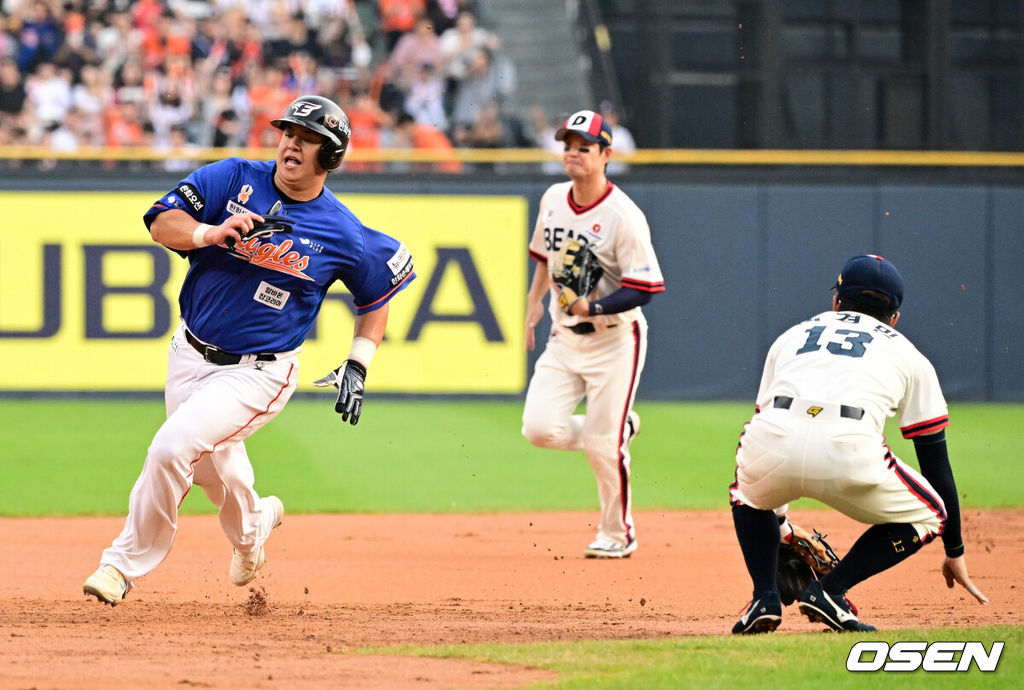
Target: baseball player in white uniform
x=828, y=385
x=247, y=303
x=596, y=350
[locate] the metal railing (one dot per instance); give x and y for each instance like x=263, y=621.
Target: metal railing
x=656, y=157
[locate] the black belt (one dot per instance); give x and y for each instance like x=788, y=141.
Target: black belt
x=215, y=355
x=849, y=411
x=587, y=327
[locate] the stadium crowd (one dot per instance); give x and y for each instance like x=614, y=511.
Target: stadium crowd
x=176, y=74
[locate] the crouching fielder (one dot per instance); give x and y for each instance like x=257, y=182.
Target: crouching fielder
x=827, y=387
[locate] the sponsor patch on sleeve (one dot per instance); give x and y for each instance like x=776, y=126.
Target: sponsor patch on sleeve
x=400, y=264
x=273, y=297
x=192, y=198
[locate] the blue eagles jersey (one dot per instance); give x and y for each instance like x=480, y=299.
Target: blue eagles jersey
x=264, y=294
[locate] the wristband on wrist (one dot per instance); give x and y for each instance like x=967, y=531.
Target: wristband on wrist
x=199, y=235
x=363, y=350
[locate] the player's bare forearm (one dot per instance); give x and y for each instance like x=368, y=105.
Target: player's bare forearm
x=540, y=284
x=175, y=229
x=372, y=324
x=535, y=302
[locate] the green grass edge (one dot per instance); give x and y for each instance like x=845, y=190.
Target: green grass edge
x=724, y=661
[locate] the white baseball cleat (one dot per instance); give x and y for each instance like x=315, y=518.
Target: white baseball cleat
x=107, y=584
x=244, y=567
x=606, y=548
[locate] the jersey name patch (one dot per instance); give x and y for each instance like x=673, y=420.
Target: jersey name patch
x=236, y=208
x=192, y=198
x=400, y=264
x=273, y=297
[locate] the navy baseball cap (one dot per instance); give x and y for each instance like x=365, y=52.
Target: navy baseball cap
x=870, y=272
x=589, y=125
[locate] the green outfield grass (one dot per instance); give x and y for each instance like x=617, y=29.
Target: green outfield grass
x=706, y=662
x=81, y=457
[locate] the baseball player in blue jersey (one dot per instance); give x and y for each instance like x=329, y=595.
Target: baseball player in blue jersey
x=827, y=387
x=265, y=240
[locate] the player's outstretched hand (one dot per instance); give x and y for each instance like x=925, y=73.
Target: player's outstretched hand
x=955, y=570
x=350, y=380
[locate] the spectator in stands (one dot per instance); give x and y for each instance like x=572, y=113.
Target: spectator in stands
x=269, y=96
x=622, y=137
x=297, y=38
x=301, y=73
x=124, y=124
x=541, y=132
x=460, y=43
x=425, y=98
x=39, y=38
x=368, y=120
x=8, y=42
x=398, y=17
x=156, y=70
x=479, y=88
x=168, y=109
x=442, y=14
x=179, y=152
x=221, y=107
x=12, y=91
x=128, y=83
x=415, y=135
x=116, y=41
x=78, y=48
x=90, y=98
x=49, y=96
x=487, y=131
x=342, y=41
x=414, y=50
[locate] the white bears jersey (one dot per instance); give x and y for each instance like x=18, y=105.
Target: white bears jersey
x=618, y=234
x=847, y=358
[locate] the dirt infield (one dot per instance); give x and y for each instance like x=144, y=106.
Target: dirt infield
x=335, y=583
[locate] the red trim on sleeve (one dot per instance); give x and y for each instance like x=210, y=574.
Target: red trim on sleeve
x=537, y=256
x=928, y=426
x=635, y=284
x=365, y=308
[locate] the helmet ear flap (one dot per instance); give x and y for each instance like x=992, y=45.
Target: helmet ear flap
x=330, y=156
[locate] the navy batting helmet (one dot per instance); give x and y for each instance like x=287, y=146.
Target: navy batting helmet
x=323, y=116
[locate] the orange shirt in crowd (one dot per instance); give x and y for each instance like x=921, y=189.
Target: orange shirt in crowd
x=431, y=138
x=400, y=15
x=268, y=102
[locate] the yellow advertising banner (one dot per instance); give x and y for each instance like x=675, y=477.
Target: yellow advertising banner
x=88, y=301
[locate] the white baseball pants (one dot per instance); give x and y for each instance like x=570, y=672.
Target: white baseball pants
x=785, y=454
x=604, y=367
x=211, y=410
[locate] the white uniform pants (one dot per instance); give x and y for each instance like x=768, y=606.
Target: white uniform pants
x=785, y=454
x=211, y=410
x=604, y=367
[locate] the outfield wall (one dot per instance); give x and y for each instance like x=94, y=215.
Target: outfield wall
x=86, y=303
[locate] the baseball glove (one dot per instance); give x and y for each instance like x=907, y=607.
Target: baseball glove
x=576, y=271
x=803, y=557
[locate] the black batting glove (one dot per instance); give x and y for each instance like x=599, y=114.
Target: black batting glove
x=350, y=380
